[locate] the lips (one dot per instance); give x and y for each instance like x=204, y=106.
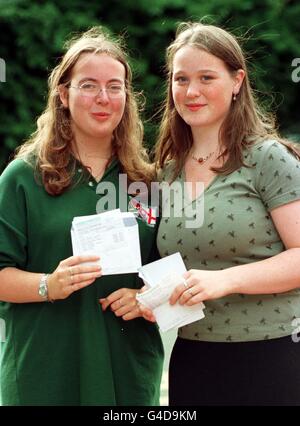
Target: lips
x=195, y=107
x=100, y=115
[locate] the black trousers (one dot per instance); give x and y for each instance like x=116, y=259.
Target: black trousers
x=244, y=373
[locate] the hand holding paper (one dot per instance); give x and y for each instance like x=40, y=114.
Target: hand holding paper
x=161, y=284
x=113, y=236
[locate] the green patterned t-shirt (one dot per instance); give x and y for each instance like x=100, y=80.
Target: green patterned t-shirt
x=237, y=229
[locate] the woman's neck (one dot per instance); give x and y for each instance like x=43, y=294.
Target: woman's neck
x=205, y=141
x=89, y=152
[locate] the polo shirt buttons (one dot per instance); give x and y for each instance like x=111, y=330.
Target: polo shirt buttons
x=91, y=183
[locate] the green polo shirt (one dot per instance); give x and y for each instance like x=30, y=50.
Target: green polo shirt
x=69, y=352
x=237, y=229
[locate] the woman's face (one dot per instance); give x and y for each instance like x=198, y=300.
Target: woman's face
x=95, y=113
x=202, y=87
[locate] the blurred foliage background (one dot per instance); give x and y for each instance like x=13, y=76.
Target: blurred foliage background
x=32, y=34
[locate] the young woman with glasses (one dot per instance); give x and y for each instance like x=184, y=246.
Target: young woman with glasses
x=62, y=347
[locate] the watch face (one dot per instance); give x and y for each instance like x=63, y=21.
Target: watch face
x=43, y=291
x=43, y=288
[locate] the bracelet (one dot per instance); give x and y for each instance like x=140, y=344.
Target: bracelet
x=43, y=288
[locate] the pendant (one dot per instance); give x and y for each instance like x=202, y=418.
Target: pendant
x=202, y=160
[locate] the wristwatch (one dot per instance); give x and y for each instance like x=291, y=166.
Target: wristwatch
x=43, y=287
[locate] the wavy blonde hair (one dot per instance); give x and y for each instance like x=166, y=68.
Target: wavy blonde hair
x=246, y=122
x=50, y=145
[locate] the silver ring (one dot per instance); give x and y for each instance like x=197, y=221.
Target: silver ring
x=189, y=290
x=185, y=283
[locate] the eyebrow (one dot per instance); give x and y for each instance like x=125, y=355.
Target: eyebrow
x=112, y=80
x=199, y=72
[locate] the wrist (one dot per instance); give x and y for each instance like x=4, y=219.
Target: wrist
x=43, y=290
x=232, y=281
x=51, y=298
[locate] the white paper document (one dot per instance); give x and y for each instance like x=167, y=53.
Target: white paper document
x=162, y=277
x=113, y=236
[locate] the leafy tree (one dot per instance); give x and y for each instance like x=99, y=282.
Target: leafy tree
x=33, y=32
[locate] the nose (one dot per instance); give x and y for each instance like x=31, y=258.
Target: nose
x=193, y=90
x=102, y=96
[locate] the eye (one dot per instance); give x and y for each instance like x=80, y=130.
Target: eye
x=115, y=88
x=206, y=78
x=181, y=80
x=88, y=86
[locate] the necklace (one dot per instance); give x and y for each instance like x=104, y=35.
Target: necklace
x=202, y=160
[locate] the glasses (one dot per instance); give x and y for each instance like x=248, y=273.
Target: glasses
x=89, y=89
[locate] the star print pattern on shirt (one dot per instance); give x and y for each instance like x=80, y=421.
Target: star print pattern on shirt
x=238, y=229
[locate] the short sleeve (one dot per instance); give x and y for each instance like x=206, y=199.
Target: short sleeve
x=277, y=174
x=13, y=238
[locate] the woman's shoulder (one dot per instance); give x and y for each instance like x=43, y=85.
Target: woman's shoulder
x=269, y=151
x=262, y=147
x=18, y=169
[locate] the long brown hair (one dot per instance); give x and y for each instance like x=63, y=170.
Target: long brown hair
x=246, y=122
x=50, y=144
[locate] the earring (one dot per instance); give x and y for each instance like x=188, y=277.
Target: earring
x=234, y=97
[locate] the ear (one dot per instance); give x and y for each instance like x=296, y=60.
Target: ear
x=238, y=80
x=63, y=95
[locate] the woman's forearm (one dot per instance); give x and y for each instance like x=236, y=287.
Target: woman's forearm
x=17, y=286
x=278, y=274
